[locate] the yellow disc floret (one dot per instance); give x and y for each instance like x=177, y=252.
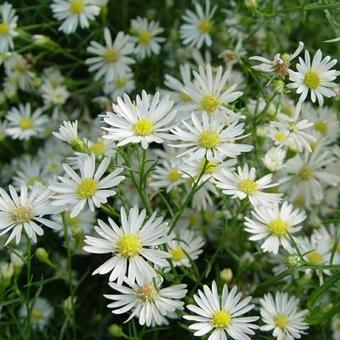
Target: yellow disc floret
x=26, y=123
x=177, y=254
x=77, y=6
x=111, y=56
x=174, y=175
x=306, y=173
x=280, y=136
x=98, y=148
x=120, y=83
x=210, y=103
x=248, y=186
x=4, y=28
x=312, y=80
x=281, y=321
x=209, y=139
x=315, y=257
x=144, y=127
x=278, y=227
x=129, y=245
x=21, y=214
x=37, y=314
x=205, y=26
x=144, y=37
x=221, y=319
x=86, y=188
x=147, y=293
x=321, y=127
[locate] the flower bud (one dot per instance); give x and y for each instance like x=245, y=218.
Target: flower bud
x=116, y=331
x=42, y=256
x=226, y=275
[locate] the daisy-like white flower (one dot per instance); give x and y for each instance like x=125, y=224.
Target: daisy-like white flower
x=280, y=64
x=274, y=159
x=112, y=60
x=282, y=316
x=289, y=131
x=145, y=37
x=74, y=191
x=23, y=123
x=144, y=122
x=274, y=225
x=206, y=136
x=25, y=211
x=74, y=13
x=131, y=246
x=185, y=247
x=243, y=183
x=315, y=77
x=68, y=132
x=208, y=92
x=147, y=301
x=8, y=24
x=198, y=25
x=54, y=95
x=221, y=315
x=121, y=84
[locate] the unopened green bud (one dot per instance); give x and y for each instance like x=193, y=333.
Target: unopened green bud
x=292, y=261
x=279, y=86
x=79, y=145
x=251, y=4
x=41, y=39
x=42, y=256
x=117, y=331
x=6, y=273
x=69, y=302
x=226, y=275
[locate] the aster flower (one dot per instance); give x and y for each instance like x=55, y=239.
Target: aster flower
x=23, y=123
x=74, y=191
x=208, y=92
x=25, y=212
x=144, y=122
x=131, y=246
x=8, y=25
x=243, y=183
x=314, y=77
x=282, y=316
x=147, y=301
x=274, y=225
x=206, y=136
x=198, y=25
x=274, y=159
x=121, y=84
x=145, y=37
x=221, y=315
x=74, y=13
x=112, y=60
x=68, y=132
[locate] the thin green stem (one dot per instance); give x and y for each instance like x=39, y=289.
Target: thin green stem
x=28, y=287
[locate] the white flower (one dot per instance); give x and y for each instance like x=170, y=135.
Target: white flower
x=54, y=95
x=23, y=124
x=75, y=191
x=336, y=327
x=185, y=247
x=111, y=61
x=282, y=316
x=316, y=77
x=144, y=122
x=206, y=136
x=150, y=303
x=131, y=246
x=208, y=92
x=74, y=13
x=278, y=64
x=24, y=211
x=198, y=26
x=68, y=132
x=274, y=159
x=145, y=37
x=221, y=315
x=8, y=24
x=121, y=84
x=243, y=183
x=41, y=313
x=274, y=225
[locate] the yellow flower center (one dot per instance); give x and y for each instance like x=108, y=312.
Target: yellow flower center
x=111, y=56
x=210, y=167
x=98, y=148
x=174, y=175
x=315, y=257
x=312, y=80
x=21, y=214
x=25, y=123
x=221, y=319
x=147, y=293
x=205, y=26
x=299, y=201
x=306, y=173
x=210, y=103
x=53, y=167
x=177, y=254
x=120, y=83
x=4, y=28
x=185, y=98
x=34, y=180
x=192, y=219
x=209, y=139
x=280, y=136
x=278, y=227
x=248, y=186
x=144, y=37
x=37, y=314
x=281, y=321
x=72, y=221
x=129, y=245
x=144, y=127
x=77, y=6
x=86, y=188
x=321, y=127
